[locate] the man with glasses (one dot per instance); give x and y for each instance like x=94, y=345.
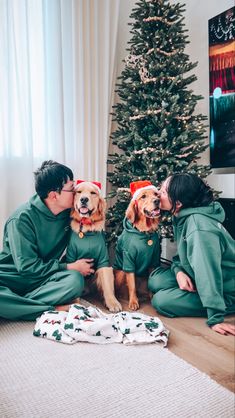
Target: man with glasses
x=33, y=278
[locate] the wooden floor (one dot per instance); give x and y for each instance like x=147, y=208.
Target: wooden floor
x=192, y=340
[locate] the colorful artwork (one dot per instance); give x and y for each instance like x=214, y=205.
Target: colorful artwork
x=222, y=89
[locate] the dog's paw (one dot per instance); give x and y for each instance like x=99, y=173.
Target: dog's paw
x=113, y=305
x=133, y=304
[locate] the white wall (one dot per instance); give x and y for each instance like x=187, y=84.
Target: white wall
x=126, y=7
x=197, y=14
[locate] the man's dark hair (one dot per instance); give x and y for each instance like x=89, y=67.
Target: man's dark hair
x=51, y=176
x=188, y=189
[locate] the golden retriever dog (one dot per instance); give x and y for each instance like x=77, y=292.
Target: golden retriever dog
x=87, y=239
x=138, y=248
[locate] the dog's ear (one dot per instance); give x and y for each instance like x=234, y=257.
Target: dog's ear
x=131, y=212
x=101, y=207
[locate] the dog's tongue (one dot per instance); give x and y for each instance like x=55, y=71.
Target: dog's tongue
x=155, y=213
x=84, y=211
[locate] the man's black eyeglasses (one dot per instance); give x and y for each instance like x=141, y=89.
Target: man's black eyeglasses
x=64, y=190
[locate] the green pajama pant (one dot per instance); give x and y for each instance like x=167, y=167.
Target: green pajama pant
x=169, y=300
x=21, y=299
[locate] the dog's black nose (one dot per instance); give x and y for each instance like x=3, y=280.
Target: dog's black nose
x=156, y=202
x=84, y=200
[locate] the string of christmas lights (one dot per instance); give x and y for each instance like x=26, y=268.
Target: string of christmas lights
x=158, y=18
x=155, y=112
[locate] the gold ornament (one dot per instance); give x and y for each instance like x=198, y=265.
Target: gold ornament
x=150, y=242
x=81, y=235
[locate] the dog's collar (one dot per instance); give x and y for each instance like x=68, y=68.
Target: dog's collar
x=148, y=222
x=85, y=221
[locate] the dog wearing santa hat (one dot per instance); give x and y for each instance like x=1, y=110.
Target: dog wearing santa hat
x=87, y=240
x=138, y=248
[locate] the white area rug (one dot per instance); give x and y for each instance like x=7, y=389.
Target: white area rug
x=43, y=379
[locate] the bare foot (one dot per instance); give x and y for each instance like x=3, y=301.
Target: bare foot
x=77, y=300
x=62, y=308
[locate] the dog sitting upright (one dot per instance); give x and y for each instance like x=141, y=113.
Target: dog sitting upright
x=138, y=248
x=87, y=239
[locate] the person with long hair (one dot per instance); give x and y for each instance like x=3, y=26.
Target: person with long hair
x=201, y=280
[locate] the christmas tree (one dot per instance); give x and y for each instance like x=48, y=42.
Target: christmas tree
x=158, y=132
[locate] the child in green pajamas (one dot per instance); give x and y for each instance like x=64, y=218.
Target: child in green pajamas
x=32, y=277
x=201, y=281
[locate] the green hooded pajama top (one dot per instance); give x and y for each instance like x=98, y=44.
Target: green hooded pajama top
x=206, y=253
x=137, y=252
x=31, y=272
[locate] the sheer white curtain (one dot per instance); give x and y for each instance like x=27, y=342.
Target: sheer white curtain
x=57, y=75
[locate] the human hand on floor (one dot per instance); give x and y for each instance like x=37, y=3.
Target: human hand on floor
x=184, y=282
x=84, y=266
x=224, y=329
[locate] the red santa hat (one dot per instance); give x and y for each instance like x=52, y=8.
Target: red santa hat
x=97, y=184
x=137, y=187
